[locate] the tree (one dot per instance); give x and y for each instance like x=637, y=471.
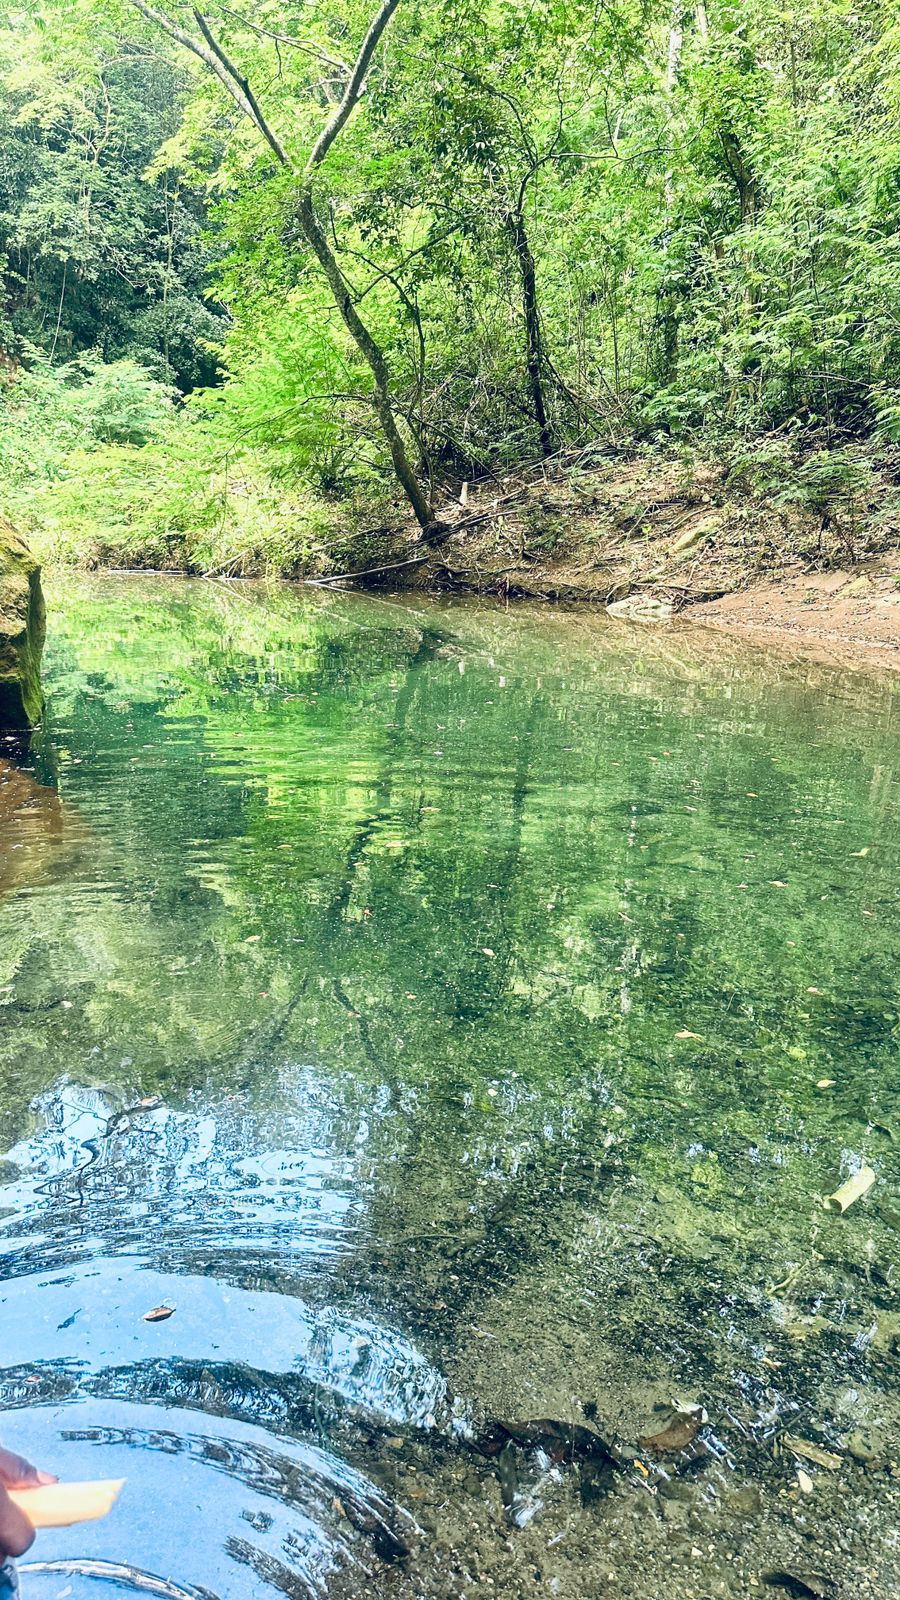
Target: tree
x=94, y=256
x=211, y=52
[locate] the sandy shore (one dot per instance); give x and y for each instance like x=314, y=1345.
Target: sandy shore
x=848, y=616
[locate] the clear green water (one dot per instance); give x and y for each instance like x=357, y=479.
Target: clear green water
x=484, y=965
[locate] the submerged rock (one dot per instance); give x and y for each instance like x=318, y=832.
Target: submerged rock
x=641, y=608
x=22, y=625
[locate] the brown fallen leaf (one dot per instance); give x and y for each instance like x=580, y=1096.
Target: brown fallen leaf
x=159, y=1314
x=680, y=1430
x=814, y=1584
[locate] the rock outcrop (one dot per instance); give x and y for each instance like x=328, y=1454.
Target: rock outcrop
x=22, y=626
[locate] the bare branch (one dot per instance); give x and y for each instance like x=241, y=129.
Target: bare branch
x=354, y=86
x=243, y=85
x=210, y=53
x=304, y=45
x=382, y=272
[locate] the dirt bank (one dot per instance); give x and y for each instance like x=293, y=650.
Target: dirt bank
x=851, y=615
x=671, y=533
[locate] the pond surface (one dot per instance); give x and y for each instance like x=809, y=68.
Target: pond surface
x=456, y=1017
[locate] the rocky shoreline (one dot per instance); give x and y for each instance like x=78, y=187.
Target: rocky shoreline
x=22, y=629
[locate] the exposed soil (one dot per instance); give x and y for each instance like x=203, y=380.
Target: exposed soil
x=852, y=615
x=678, y=533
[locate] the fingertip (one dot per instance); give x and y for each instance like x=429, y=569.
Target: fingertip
x=46, y=1478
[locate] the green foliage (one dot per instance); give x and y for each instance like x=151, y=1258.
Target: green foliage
x=710, y=215
x=47, y=410
x=93, y=254
x=100, y=465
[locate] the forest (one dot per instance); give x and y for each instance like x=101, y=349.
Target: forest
x=275, y=279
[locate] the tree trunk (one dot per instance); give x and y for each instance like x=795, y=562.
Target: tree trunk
x=669, y=301
x=673, y=67
x=745, y=179
x=372, y=355
x=534, y=347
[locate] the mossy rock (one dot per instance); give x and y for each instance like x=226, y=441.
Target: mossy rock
x=22, y=628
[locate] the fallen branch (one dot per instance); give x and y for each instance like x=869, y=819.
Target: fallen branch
x=367, y=572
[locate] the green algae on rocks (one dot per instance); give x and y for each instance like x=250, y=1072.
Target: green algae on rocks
x=22, y=627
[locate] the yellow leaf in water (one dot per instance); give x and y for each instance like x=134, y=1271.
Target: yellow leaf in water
x=685, y=1033
x=486, y=952
x=858, y=853
x=826, y=1083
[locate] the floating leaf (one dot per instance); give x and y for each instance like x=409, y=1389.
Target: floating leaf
x=826, y=1083
x=159, y=1314
x=685, y=1033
